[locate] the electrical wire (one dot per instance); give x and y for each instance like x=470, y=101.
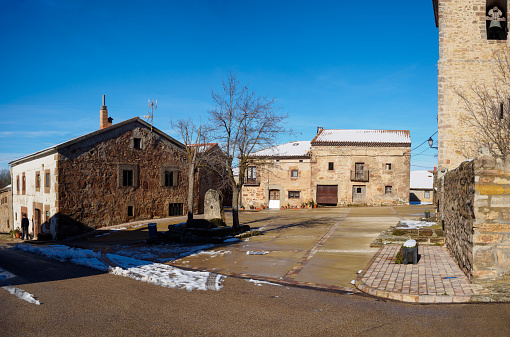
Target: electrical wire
x=424, y=142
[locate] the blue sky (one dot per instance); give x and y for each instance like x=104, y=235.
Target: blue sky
x=334, y=64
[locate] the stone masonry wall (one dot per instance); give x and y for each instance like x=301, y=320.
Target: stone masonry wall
x=90, y=178
x=466, y=59
x=475, y=207
x=375, y=159
x=6, y=223
x=456, y=202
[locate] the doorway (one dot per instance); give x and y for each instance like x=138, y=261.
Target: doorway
x=359, y=194
x=274, y=199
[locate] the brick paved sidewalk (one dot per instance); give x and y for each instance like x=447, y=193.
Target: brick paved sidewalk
x=435, y=279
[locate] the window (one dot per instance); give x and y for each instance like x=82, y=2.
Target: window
x=175, y=209
x=294, y=173
x=426, y=194
x=331, y=166
x=137, y=143
x=293, y=194
x=387, y=190
x=46, y=181
x=23, y=184
x=17, y=184
x=251, y=175
x=388, y=167
x=130, y=211
x=169, y=178
x=127, y=177
x=300, y=160
x=37, y=181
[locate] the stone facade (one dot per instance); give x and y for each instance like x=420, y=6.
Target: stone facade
x=275, y=174
x=474, y=208
x=328, y=172
x=120, y=173
x=466, y=59
x=6, y=224
x=388, y=169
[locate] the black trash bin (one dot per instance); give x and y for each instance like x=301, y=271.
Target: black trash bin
x=153, y=230
x=427, y=214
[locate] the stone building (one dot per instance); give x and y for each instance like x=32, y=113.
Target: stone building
x=422, y=187
x=338, y=167
x=122, y=172
x=467, y=58
x=472, y=194
x=6, y=224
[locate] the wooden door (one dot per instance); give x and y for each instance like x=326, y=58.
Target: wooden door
x=274, y=199
x=327, y=194
x=37, y=222
x=359, y=194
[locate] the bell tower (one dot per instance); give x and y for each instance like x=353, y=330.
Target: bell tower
x=471, y=33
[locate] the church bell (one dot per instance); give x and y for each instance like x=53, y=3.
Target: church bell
x=495, y=27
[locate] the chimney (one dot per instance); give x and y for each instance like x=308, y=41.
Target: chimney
x=319, y=129
x=104, y=120
x=435, y=168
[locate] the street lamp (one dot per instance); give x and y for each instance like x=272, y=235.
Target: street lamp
x=431, y=142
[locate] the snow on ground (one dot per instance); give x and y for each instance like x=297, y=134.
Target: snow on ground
x=4, y=274
x=411, y=224
x=82, y=257
x=22, y=295
x=155, y=273
x=260, y=283
x=212, y=253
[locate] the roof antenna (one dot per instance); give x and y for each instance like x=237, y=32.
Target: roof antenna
x=150, y=111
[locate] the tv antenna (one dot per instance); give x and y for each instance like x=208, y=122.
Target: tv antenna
x=150, y=111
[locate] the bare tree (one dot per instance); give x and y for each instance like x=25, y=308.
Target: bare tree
x=192, y=136
x=5, y=177
x=242, y=123
x=488, y=107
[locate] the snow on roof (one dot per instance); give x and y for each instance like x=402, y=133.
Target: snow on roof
x=422, y=180
x=292, y=149
x=346, y=137
x=203, y=147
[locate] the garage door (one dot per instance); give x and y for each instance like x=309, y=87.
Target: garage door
x=327, y=194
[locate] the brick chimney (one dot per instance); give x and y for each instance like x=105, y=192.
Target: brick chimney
x=104, y=120
x=319, y=129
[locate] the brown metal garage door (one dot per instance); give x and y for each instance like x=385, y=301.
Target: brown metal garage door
x=327, y=194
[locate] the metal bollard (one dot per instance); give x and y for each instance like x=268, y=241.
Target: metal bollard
x=153, y=230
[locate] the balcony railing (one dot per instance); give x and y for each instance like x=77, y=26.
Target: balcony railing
x=359, y=175
x=252, y=182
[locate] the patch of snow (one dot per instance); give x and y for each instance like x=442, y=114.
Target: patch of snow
x=155, y=252
x=359, y=271
x=4, y=274
x=413, y=224
x=82, y=257
x=22, y=295
x=251, y=252
x=353, y=282
x=232, y=240
x=213, y=253
x=421, y=180
x=260, y=283
x=363, y=136
x=298, y=148
x=410, y=243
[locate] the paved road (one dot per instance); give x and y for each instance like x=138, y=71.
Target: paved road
x=77, y=301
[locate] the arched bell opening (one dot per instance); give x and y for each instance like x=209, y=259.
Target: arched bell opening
x=496, y=19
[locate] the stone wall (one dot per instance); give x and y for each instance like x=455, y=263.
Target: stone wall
x=275, y=174
x=466, y=59
x=6, y=223
x=375, y=159
x=91, y=192
x=474, y=205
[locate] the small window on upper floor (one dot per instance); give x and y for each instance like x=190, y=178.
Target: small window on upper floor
x=294, y=173
x=47, y=180
x=496, y=20
x=331, y=166
x=137, y=143
x=426, y=194
x=388, y=167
